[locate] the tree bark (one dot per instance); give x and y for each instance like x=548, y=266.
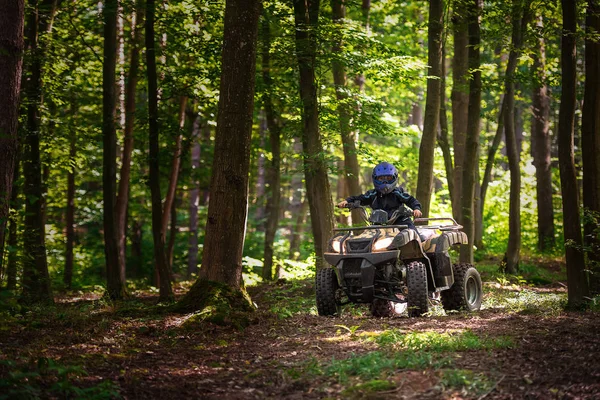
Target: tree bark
x=590, y=137
x=540, y=148
x=70, y=222
x=520, y=18
x=11, y=264
x=194, y=200
x=165, y=289
x=351, y=170
x=443, y=140
x=306, y=16
x=36, y=280
x=432, y=105
x=460, y=98
x=174, y=175
x=273, y=168
x=228, y=208
x=115, y=289
x=128, y=140
x=577, y=281
x=11, y=64
x=472, y=136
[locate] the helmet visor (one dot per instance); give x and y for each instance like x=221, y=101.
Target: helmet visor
x=384, y=179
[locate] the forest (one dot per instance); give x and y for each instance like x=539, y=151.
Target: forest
x=170, y=170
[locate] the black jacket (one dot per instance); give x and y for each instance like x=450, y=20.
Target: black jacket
x=387, y=202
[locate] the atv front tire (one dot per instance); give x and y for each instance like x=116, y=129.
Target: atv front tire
x=327, y=288
x=418, y=299
x=466, y=293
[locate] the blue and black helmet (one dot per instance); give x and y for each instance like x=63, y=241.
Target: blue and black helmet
x=385, y=177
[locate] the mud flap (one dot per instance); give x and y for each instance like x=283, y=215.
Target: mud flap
x=367, y=274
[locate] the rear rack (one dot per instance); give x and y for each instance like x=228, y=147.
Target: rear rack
x=455, y=225
x=359, y=228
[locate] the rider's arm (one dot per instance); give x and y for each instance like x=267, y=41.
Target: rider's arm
x=365, y=199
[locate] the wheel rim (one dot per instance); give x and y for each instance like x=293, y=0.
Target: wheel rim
x=471, y=291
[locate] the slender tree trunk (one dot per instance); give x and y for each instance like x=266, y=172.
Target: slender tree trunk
x=577, y=280
x=11, y=63
x=432, y=106
x=11, y=263
x=260, y=187
x=306, y=14
x=228, y=208
x=460, y=98
x=298, y=230
x=298, y=205
x=273, y=168
x=472, y=136
x=128, y=141
x=115, y=285
x=540, y=146
x=172, y=236
x=36, y=280
x=590, y=132
x=443, y=140
x=70, y=223
x=174, y=175
x=137, y=255
x=194, y=200
x=491, y=153
x=520, y=18
x=351, y=167
x=165, y=289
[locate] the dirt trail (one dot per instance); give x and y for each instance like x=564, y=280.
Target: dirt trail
x=153, y=356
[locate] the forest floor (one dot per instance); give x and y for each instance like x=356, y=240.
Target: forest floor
x=521, y=345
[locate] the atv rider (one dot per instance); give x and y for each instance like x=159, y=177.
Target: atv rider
x=386, y=196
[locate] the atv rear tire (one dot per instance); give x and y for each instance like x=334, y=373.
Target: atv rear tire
x=466, y=293
x=382, y=308
x=327, y=288
x=418, y=299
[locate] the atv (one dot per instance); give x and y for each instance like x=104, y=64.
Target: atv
x=394, y=268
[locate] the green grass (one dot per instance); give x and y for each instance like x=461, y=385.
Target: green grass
x=379, y=364
x=465, y=380
x=524, y=300
x=438, y=342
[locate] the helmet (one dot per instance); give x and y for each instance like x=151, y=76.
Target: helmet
x=385, y=177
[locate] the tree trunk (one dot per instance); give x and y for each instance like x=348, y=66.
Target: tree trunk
x=11, y=263
x=306, y=15
x=273, y=168
x=174, y=175
x=172, y=236
x=540, y=148
x=460, y=98
x=443, y=140
x=590, y=132
x=298, y=229
x=115, y=284
x=520, y=18
x=351, y=169
x=260, y=186
x=228, y=208
x=165, y=289
x=298, y=204
x=194, y=200
x=432, y=105
x=577, y=281
x=472, y=136
x=11, y=63
x=36, y=280
x=128, y=141
x=137, y=255
x=70, y=223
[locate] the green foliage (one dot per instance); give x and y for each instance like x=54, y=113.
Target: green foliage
x=438, y=342
x=379, y=364
x=46, y=378
x=469, y=381
x=373, y=386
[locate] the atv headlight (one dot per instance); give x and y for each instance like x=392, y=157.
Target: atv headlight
x=336, y=246
x=382, y=244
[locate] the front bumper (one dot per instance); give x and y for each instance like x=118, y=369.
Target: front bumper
x=362, y=267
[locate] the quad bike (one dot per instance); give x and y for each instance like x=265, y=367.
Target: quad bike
x=392, y=267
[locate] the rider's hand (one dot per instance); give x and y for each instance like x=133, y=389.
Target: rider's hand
x=417, y=213
x=342, y=204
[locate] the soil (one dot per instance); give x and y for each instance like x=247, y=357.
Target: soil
x=151, y=354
